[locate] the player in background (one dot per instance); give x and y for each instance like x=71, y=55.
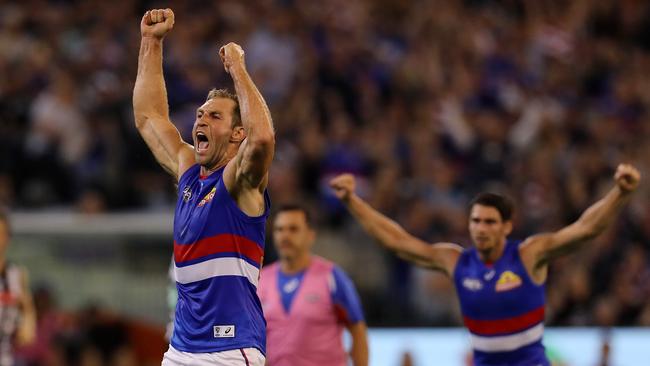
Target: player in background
x=499, y=282
x=308, y=300
x=17, y=312
x=222, y=207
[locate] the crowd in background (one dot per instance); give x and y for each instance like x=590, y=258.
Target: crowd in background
x=427, y=102
x=91, y=336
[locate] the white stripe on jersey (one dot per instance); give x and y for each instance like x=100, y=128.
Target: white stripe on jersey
x=217, y=267
x=509, y=342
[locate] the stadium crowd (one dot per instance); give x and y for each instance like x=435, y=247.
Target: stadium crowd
x=427, y=102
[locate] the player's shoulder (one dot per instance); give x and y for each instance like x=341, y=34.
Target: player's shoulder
x=462, y=251
x=339, y=274
x=192, y=170
x=450, y=247
x=534, y=243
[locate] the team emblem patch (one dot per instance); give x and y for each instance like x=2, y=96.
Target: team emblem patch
x=208, y=197
x=507, y=281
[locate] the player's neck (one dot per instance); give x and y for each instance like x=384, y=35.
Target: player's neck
x=223, y=161
x=295, y=265
x=492, y=255
x=207, y=170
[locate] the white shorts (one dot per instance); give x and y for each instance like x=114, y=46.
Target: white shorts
x=235, y=357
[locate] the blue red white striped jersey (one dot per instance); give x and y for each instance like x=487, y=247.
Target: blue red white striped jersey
x=502, y=308
x=218, y=252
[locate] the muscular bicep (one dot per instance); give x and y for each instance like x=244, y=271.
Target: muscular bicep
x=166, y=144
x=439, y=256
x=539, y=249
x=253, y=161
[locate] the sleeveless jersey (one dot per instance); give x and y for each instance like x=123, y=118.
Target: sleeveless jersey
x=10, y=293
x=310, y=332
x=218, y=252
x=502, y=308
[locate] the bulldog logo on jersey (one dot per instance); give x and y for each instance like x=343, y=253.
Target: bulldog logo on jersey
x=507, y=281
x=208, y=197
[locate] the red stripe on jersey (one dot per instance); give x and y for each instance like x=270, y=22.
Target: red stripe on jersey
x=223, y=243
x=508, y=325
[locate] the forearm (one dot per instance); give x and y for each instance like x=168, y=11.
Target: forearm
x=389, y=233
x=255, y=114
x=359, y=350
x=149, y=93
x=27, y=326
x=359, y=353
x=599, y=215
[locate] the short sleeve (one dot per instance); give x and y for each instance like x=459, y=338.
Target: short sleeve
x=345, y=297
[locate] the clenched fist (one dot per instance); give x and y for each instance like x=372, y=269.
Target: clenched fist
x=627, y=178
x=343, y=186
x=231, y=55
x=156, y=23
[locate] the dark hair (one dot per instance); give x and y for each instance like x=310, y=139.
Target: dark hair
x=295, y=207
x=224, y=93
x=502, y=204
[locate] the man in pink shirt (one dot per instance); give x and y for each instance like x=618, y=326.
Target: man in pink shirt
x=308, y=300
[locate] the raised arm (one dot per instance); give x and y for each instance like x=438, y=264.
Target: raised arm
x=256, y=152
x=150, y=107
x=439, y=256
x=538, y=250
x=27, y=327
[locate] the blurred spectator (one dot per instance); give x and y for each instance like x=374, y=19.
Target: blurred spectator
x=539, y=99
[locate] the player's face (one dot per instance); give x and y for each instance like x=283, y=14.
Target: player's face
x=487, y=228
x=291, y=234
x=212, y=130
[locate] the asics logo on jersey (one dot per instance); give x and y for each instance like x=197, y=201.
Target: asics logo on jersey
x=224, y=331
x=489, y=275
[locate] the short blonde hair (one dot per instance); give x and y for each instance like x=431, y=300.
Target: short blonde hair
x=225, y=93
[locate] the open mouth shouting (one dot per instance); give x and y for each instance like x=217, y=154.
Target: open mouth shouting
x=202, y=142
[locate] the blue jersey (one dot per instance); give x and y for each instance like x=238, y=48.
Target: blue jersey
x=502, y=308
x=218, y=251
